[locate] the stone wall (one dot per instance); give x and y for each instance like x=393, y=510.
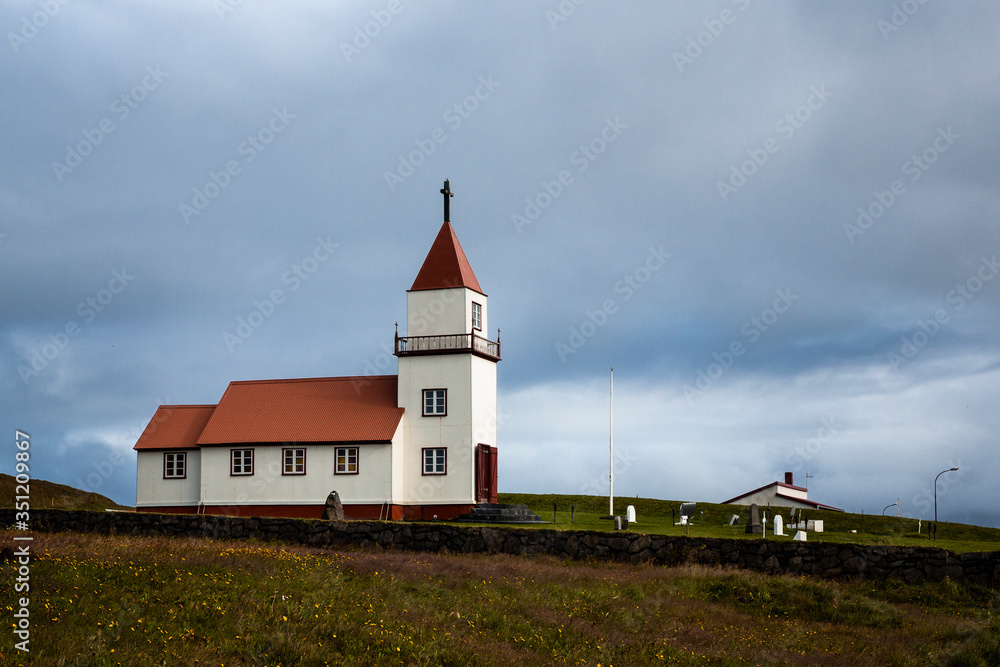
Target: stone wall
x=821, y=559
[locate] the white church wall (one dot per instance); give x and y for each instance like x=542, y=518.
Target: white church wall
x=453, y=431
x=268, y=486
x=438, y=312
x=152, y=490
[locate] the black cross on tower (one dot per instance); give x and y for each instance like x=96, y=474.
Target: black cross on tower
x=448, y=194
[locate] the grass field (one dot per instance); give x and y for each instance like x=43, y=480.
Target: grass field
x=712, y=520
x=98, y=600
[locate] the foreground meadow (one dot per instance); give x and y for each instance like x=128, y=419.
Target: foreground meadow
x=98, y=600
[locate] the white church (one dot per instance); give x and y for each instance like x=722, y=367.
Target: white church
x=417, y=445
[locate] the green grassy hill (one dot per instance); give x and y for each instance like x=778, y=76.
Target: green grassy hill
x=712, y=520
x=49, y=495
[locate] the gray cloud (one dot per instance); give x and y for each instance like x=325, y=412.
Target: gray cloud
x=888, y=96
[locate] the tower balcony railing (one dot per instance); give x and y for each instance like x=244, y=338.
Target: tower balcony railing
x=448, y=344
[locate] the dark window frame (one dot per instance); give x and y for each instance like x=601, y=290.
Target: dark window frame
x=243, y=459
x=347, y=461
x=423, y=461
x=178, y=456
x=423, y=402
x=284, y=461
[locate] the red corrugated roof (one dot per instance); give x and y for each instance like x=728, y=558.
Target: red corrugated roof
x=342, y=409
x=446, y=265
x=175, y=427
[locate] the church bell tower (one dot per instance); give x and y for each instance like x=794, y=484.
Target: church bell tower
x=447, y=385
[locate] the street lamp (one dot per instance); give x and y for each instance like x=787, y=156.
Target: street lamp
x=935, y=489
x=887, y=507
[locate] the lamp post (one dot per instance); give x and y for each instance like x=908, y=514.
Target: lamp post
x=935, y=489
x=887, y=507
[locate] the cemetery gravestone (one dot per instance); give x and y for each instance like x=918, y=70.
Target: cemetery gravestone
x=779, y=528
x=753, y=526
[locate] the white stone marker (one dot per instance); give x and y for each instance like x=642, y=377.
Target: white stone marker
x=800, y=536
x=779, y=528
x=630, y=514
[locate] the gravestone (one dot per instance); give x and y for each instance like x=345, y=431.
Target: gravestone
x=753, y=526
x=334, y=509
x=687, y=510
x=630, y=514
x=800, y=536
x=779, y=528
x=621, y=523
x=735, y=520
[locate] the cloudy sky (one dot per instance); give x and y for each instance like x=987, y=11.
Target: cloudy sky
x=777, y=221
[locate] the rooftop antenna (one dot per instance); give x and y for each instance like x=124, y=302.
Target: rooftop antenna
x=807, y=480
x=448, y=194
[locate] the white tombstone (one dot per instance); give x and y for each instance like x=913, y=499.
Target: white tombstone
x=779, y=528
x=800, y=536
x=630, y=514
x=736, y=517
x=817, y=525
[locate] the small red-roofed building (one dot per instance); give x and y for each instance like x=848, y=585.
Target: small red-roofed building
x=780, y=494
x=417, y=445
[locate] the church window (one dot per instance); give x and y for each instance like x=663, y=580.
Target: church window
x=175, y=465
x=477, y=316
x=435, y=402
x=347, y=461
x=435, y=461
x=294, y=461
x=242, y=461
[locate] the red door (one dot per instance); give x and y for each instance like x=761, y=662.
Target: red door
x=486, y=474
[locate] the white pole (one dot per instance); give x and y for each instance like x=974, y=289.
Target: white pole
x=611, y=440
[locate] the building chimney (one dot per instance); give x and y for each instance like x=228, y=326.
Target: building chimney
x=788, y=479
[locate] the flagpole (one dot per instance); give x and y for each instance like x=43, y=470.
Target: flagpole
x=611, y=442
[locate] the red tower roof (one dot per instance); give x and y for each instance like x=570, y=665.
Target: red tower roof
x=446, y=265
